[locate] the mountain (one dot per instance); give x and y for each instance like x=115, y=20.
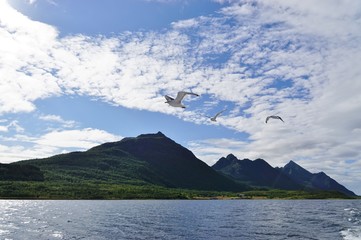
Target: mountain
x=256, y=173
x=313, y=180
x=291, y=177
x=146, y=159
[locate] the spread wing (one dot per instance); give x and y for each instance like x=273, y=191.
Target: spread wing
x=219, y=113
x=268, y=118
x=181, y=95
x=169, y=99
x=275, y=117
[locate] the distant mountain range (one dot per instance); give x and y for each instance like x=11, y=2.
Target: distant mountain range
x=259, y=173
x=154, y=159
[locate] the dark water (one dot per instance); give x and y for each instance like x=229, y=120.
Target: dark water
x=177, y=219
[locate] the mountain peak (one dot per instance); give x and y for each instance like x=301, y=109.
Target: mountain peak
x=293, y=168
x=145, y=159
x=225, y=161
x=313, y=180
x=257, y=172
x=231, y=157
x=293, y=165
x=157, y=135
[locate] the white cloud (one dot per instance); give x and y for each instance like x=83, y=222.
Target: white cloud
x=12, y=125
x=185, y=23
x=31, y=2
x=58, y=119
x=81, y=139
x=211, y=150
x=52, y=143
x=3, y=128
x=26, y=66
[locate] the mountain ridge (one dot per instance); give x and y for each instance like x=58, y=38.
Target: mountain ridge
x=292, y=176
x=256, y=173
x=318, y=180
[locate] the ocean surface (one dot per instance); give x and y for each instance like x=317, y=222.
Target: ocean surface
x=180, y=219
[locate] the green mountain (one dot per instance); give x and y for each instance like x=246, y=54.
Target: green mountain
x=256, y=173
x=147, y=159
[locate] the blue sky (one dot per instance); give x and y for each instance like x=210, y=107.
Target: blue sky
x=75, y=74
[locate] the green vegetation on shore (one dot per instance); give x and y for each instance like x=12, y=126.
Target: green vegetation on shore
x=295, y=194
x=93, y=190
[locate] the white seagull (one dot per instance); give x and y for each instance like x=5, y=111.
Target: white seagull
x=275, y=117
x=214, y=118
x=177, y=102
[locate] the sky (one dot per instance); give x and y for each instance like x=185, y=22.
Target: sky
x=75, y=74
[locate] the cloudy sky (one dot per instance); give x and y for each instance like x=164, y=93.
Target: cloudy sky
x=74, y=74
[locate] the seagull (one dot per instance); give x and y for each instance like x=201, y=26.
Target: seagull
x=177, y=102
x=275, y=117
x=215, y=116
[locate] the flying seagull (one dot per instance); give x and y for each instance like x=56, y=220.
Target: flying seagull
x=177, y=102
x=275, y=117
x=214, y=118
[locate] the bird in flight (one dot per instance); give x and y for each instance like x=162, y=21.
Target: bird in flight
x=274, y=117
x=177, y=102
x=214, y=118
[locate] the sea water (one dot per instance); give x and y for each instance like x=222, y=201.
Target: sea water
x=180, y=219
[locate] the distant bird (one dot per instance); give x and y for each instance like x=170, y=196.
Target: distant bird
x=177, y=102
x=274, y=117
x=214, y=118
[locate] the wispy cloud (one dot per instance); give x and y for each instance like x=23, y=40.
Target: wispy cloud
x=82, y=139
x=58, y=119
x=52, y=2
x=52, y=143
x=31, y=2
x=13, y=125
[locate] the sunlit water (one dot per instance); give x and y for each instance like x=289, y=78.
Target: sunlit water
x=181, y=219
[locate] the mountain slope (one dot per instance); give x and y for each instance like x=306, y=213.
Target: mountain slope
x=257, y=173
x=146, y=159
x=14, y=172
x=173, y=162
x=313, y=180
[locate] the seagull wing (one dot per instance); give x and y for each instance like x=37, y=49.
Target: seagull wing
x=169, y=99
x=219, y=113
x=181, y=95
x=274, y=117
x=267, y=118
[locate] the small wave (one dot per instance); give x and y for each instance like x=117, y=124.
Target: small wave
x=351, y=233
x=57, y=234
x=354, y=215
x=3, y=232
